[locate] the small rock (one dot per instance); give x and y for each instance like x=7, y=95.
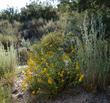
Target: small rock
x=20, y=95
x=15, y=91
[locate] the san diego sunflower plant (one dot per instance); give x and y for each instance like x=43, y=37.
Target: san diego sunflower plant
x=52, y=66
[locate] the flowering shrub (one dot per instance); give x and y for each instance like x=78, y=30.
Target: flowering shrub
x=51, y=67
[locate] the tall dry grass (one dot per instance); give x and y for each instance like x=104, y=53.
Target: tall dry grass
x=8, y=63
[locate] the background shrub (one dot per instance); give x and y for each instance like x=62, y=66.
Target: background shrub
x=9, y=29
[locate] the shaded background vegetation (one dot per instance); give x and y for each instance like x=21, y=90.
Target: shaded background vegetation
x=33, y=21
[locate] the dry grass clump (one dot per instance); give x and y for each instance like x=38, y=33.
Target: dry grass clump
x=7, y=67
x=7, y=59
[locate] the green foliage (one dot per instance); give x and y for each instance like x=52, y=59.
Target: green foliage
x=87, y=4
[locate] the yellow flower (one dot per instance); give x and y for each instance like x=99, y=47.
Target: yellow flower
x=81, y=78
x=23, y=72
x=50, y=81
x=73, y=50
x=44, y=71
x=61, y=74
x=31, y=63
x=29, y=78
x=77, y=65
x=24, y=85
x=29, y=72
x=65, y=57
x=33, y=92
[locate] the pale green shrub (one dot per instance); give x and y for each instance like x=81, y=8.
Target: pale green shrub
x=7, y=59
x=7, y=67
x=94, y=52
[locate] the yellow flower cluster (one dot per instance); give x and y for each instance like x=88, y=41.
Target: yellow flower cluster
x=35, y=92
x=81, y=78
x=31, y=63
x=61, y=74
x=24, y=85
x=65, y=57
x=28, y=72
